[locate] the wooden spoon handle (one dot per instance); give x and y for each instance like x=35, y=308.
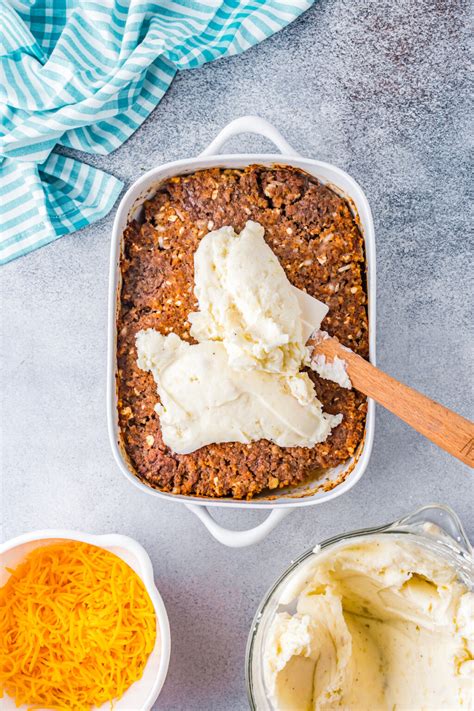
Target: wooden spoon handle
x=442, y=426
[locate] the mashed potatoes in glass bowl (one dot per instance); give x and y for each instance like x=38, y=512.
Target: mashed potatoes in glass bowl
x=375, y=619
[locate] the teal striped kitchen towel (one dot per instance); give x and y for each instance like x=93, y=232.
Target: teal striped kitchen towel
x=85, y=75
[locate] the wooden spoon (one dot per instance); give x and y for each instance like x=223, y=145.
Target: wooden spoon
x=442, y=426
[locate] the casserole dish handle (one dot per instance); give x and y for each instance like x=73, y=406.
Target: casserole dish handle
x=249, y=124
x=238, y=539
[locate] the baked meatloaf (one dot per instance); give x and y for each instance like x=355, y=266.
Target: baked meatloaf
x=316, y=238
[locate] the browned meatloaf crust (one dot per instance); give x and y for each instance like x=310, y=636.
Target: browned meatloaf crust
x=313, y=233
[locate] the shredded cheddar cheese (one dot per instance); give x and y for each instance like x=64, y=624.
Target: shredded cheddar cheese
x=76, y=628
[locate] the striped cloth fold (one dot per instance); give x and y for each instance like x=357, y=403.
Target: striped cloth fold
x=85, y=75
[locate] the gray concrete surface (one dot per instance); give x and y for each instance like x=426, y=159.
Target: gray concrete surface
x=376, y=87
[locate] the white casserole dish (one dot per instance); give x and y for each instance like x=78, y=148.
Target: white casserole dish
x=141, y=695
x=284, y=500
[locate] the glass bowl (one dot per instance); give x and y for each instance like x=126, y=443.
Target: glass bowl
x=436, y=527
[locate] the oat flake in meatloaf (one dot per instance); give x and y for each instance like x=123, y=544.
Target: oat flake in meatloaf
x=313, y=233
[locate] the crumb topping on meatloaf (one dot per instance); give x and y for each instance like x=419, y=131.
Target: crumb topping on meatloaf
x=316, y=238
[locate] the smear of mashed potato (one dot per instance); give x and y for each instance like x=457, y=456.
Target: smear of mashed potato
x=246, y=301
x=203, y=400
x=242, y=381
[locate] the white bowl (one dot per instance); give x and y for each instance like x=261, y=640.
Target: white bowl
x=143, y=693
x=280, y=501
